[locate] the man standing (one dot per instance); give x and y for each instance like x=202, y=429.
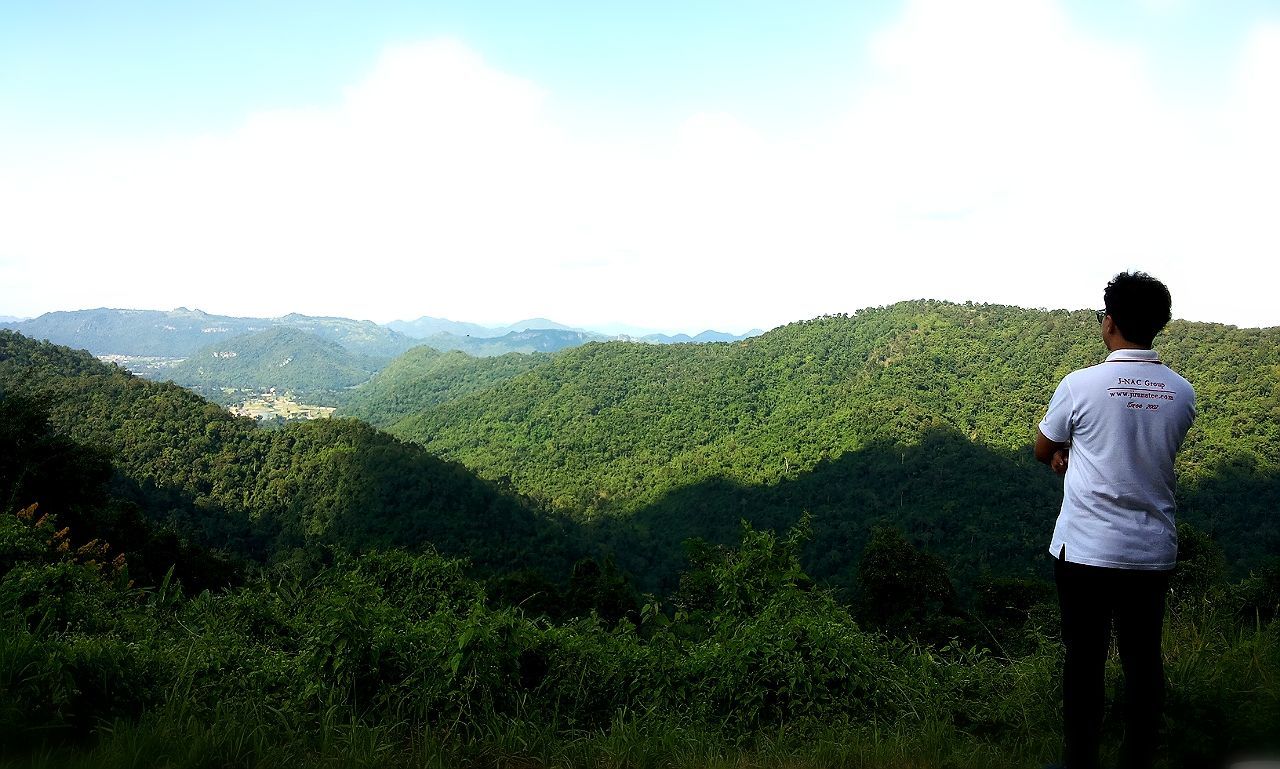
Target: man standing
x=1113, y=430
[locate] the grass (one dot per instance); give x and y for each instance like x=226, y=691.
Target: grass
x=174, y=740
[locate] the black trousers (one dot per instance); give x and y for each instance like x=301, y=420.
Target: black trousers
x=1093, y=600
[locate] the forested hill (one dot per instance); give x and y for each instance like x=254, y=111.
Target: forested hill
x=424, y=377
x=221, y=481
x=918, y=414
x=281, y=357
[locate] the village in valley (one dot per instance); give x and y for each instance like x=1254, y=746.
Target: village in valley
x=270, y=404
x=263, y=405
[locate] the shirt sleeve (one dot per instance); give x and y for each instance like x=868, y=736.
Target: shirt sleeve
x=1057, y=422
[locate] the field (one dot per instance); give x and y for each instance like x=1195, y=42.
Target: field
x=270, y=405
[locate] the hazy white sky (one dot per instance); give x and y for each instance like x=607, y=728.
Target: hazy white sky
x=729, y=167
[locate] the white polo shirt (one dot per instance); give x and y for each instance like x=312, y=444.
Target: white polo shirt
x=1125, y=420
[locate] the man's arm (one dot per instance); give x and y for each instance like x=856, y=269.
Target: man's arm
x=1052, y=453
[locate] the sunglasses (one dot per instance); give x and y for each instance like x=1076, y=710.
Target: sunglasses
x=1101, y=314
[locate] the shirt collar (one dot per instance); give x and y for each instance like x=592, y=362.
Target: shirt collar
x=1142, y=355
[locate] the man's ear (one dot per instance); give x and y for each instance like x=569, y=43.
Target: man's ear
x=1110, y=329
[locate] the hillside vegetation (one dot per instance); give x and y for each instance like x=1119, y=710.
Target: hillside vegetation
x=220, y=481
x=424, y=377
x=393, y=659
x=919, y=415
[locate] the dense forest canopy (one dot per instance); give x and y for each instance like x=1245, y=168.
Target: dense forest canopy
x=919, y=414
x=425, y=377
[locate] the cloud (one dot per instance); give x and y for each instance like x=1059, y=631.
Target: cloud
x=1021, y=161
x=430, y=178
x=994, y=152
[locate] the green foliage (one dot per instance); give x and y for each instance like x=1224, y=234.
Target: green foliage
x=1224, y=686
x=905, y=591
x=1201, y=565
x=739, y=582
x=1259, y=593
x=372, y=654
x=1014, y=614
x=20, y=541
x=40, y=466
x=601, y=589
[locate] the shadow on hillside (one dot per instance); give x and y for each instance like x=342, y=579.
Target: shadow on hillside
x=1237, y=504
x=342, y=483
x=982, y=510
x=390, y=493
x=986, y=512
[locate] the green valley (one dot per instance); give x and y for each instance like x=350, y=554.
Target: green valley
x=219, y=481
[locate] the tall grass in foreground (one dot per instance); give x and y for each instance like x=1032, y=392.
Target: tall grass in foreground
x=393, y=659
x=189, y=743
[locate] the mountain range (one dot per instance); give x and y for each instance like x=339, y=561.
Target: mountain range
x=183, y=332
x=427, y=326
x=320, y=358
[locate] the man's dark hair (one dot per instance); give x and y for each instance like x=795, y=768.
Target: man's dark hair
x=1139, y=305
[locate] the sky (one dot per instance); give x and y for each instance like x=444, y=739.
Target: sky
x=669, y=166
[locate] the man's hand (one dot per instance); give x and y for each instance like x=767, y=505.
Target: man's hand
x=1055, y=455
x=1058, y=462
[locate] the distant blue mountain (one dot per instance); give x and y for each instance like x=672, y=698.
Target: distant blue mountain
x=429, y=330
x=533, y=340
x=705, y=336
x=427, y=326
x=540, y=324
